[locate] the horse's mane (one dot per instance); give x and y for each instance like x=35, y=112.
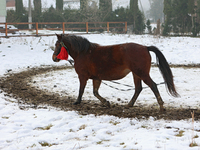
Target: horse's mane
x=79, y=44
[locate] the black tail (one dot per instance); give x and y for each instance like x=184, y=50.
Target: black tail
x=165, y=70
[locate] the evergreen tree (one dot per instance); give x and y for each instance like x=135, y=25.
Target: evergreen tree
x=134, y=9
x=105, y=7
x=167, y=8
x=52, y=15
x=194, y=10
x=181, y=16
x=168, y=14
x=198, y=7
x=19, y=7
x=83, y=4
x=149, y=26
x=37, y=11
x=59, y=5
x=11, y=16
x=191, y=7
x=181, y=21
x=137, y=17
x=37, y=6
x=21, y=14
x=121, y=14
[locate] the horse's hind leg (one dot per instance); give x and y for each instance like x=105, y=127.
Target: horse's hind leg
x=154, y=88
x=138, y=89
x=96, y=85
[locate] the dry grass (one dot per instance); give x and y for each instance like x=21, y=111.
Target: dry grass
x=193, y=143
x=180, y=133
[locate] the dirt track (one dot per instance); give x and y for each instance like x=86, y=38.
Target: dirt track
x=16, y=85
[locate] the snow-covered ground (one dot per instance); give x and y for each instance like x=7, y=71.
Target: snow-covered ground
x=54, y=129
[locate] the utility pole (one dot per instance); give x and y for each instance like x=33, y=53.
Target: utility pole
x=29, y=14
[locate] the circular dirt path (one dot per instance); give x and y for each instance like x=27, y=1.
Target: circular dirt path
x=17, y=86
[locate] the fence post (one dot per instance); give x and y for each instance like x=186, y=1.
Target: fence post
x=107, y=26
x=36, y=26
x=63, y=26
x=86, y=27
x=125, y=27
x=6, y=30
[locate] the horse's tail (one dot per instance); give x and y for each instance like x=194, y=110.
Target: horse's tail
x=165, y=70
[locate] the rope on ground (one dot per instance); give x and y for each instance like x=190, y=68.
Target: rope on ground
x=126, y=85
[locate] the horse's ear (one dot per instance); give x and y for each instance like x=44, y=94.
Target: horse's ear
x=59, y=36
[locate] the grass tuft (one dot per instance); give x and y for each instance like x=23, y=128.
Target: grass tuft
x=4, y=117
x=82, y=127
x=99, y=142
x=44, y=128
x=44, y=144
x=180, y=134
x=48, y=127
x=193, y=144
x=114, y=122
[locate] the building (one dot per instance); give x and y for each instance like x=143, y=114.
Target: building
x=2, y=11
x=4, y=6
x=10, y=4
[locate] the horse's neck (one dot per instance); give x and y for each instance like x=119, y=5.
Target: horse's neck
x=73, y=54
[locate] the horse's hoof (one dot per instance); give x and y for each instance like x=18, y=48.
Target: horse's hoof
x=107, y=104
x=162, y=110
x=129, y=105
x=76, y=103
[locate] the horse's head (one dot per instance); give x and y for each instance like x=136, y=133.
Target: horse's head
x=57, y=48
x=70, y=45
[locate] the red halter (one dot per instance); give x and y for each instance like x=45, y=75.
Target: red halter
x=63, y=55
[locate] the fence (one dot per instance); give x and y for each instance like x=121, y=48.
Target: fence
x=85, y=27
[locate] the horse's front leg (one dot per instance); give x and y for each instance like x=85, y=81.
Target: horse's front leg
x=96, y=85
x=83, y=82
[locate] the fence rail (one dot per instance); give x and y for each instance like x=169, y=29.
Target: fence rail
x=87, y=27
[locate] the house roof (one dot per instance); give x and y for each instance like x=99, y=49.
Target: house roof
x=10, y=3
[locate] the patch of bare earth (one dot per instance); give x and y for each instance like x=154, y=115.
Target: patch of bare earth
x=17, y=86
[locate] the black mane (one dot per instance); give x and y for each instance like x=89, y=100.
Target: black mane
x=79, y=44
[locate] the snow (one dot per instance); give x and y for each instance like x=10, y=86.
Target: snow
x=27, y=129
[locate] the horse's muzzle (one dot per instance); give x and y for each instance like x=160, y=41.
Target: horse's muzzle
x=55, y=59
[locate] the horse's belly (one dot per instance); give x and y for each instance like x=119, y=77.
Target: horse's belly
x=112, y=74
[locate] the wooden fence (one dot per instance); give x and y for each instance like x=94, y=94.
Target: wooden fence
x=84, y=27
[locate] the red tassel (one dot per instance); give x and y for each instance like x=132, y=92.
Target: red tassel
x=63, y=55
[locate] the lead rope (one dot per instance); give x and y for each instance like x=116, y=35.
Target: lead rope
x=71, y=62
x=126, y=85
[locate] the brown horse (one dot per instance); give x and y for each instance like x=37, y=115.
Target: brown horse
x=92, y=61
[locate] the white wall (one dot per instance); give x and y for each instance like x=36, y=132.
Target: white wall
x=2, y=11
x=2, y=19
